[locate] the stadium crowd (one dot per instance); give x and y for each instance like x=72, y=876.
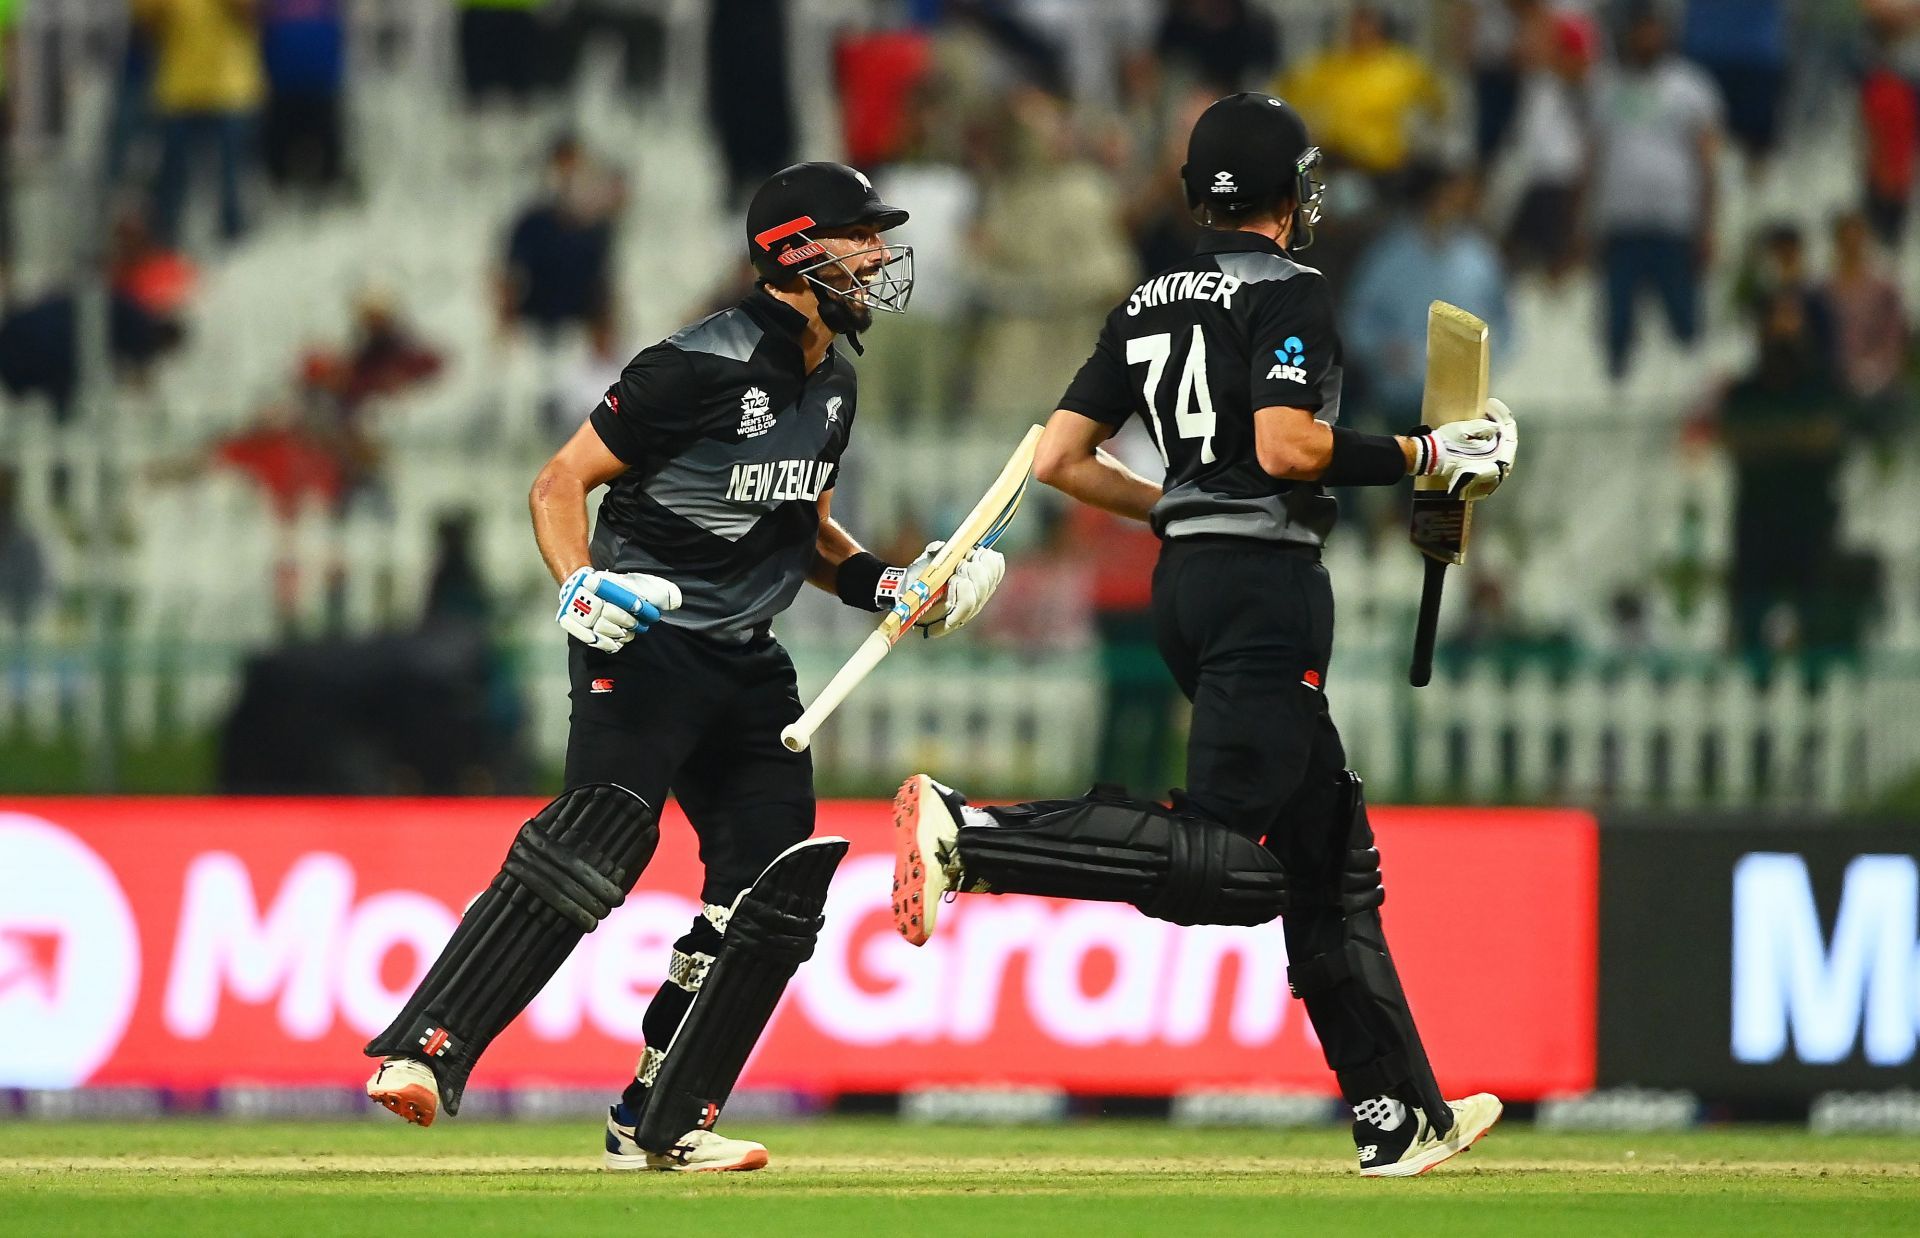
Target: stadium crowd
x=1479, y=151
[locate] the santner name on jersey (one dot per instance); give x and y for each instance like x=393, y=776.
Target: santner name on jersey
x=1194, y=353
x=1215, y=286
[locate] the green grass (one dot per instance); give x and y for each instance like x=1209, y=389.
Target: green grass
x=850, y=1176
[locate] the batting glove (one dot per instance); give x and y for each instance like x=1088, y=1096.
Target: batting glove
x=964, y=595
x=1473, y=457
x=605, y=610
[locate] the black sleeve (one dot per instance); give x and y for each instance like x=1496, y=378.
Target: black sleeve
x=1292, y=343
x=1100, y=390
x=652, y=406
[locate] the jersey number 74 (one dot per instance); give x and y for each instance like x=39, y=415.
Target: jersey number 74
x=1192, y=402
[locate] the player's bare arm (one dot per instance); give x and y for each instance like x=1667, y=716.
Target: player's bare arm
x=832, y=546
x=558, y=500
x=1070, y=459
x=603, y=610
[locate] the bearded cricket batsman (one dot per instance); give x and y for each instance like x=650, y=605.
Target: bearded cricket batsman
x=1232, y=362
x=720, y=447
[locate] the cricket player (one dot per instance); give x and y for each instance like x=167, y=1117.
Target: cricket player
x=1232, y=361
x=720, y=447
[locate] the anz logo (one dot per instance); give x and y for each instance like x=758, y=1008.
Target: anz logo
x=1292, y=356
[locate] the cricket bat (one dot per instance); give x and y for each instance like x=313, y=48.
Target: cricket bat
x=1456, y=390
x=982, y=527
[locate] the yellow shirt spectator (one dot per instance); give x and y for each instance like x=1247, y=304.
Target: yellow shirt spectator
x=1359, y=100
x=206, y=53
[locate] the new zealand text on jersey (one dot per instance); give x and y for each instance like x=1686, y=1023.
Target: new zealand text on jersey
x=777, y=480
x=1199, y=285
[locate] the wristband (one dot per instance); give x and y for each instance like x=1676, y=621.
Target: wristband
x=861, y=580
x=1364, y=459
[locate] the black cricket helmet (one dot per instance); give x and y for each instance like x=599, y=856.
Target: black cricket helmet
x=1249, y=152
x=797, y=203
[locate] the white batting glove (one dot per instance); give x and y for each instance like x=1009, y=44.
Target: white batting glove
x=605, y=610
x=966, y=591
x=1473, y=457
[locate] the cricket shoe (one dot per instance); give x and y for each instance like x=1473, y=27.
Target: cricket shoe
x=697, y=1151
x=1412, y=1148
x=926, y=827
x=407, y=1087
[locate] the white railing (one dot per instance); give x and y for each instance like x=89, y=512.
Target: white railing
x=1027, y=724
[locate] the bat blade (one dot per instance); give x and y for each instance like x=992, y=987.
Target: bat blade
x=1458, y=357
x=983, y=526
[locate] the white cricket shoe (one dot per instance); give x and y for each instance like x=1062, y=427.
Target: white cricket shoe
x=407, y=1087
x=1412, y=1148
x=697, y=1151
x=926, y=824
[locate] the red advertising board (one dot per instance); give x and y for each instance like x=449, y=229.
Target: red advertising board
x=191, y=943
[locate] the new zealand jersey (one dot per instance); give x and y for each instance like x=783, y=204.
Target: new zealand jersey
x=730, y=445
x=1194, y=352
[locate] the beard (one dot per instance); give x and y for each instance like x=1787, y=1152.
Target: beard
x=842, y=315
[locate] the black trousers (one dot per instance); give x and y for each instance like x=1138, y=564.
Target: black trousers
x=674, y=711
x=1247, y=629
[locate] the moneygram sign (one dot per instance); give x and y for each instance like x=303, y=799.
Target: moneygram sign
x=1770, y=962
x=194, y=943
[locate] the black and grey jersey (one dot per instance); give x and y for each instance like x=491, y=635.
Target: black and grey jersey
x=730, y=443
x=1194, y=352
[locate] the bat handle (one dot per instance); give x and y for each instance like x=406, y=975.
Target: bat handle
x=1421, y=672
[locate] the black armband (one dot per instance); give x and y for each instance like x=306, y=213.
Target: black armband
x=858, y=582
x=1364, y=459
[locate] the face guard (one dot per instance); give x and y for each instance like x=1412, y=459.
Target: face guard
x=886, y=287
x=794, y=251
x=1310, y=189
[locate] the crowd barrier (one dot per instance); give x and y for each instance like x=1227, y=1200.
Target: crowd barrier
x=204, y=944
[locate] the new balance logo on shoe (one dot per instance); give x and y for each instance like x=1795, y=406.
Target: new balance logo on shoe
x=1369, y=1152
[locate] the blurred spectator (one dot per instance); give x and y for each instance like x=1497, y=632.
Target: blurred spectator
x=1052, y=257
x=1223, y=46
x=1137, y=718
x=915, y=363
x=207, y=89
x=386, y=356
x=1658, y=125
x=1433, y=253
x=39, y=345
x=580, y=381
x=749, y=92
x=559, y=260
x=1047, y=607
x=1495, y=34
x=1869, y=325
x=880, y=74
x=1553, y=143
x=1783, y=427
x=293, y=451
x=499, y=49
x=1779, y=267
x=130, y=119
x=1743, y=45
x=1890, y=124
x=304, y=137
x=24, y=582
x=1361, y=99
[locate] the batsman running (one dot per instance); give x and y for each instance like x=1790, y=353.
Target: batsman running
x=1232, y=361
x=720, y=447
